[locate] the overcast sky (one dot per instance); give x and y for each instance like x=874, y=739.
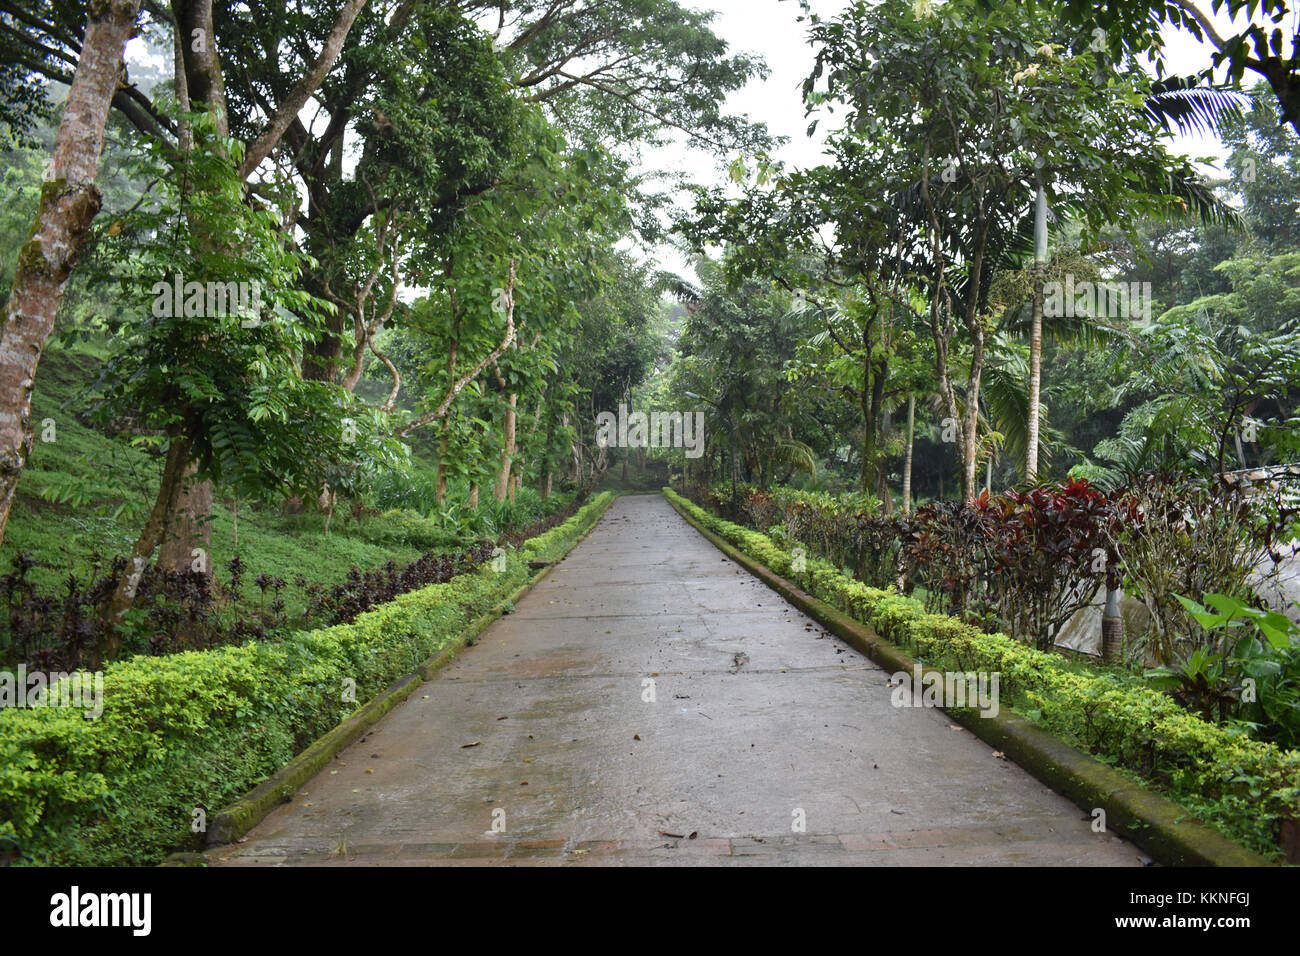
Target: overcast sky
x=769, y=28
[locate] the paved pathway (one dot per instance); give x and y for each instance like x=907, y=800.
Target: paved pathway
x=760, y=719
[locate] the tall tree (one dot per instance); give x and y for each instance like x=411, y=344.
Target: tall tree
x=68, y=206
x=984, y=100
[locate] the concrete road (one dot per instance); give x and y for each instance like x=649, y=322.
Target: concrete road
x=649, y=702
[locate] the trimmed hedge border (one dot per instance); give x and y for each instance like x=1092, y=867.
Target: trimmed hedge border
x=190, y=731
x=1242, y=787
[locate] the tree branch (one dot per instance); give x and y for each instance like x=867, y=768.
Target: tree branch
x=261, y=147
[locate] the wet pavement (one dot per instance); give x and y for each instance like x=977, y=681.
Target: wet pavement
x=650, y=702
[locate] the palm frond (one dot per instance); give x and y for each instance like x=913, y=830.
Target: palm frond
x=1183, y=105
x=796, y=454
x=679, y=288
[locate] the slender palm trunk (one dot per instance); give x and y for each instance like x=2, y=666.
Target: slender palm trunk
x=1036, y=335
x=907, y=462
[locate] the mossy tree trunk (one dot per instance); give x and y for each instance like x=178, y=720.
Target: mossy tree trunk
x=69, y=203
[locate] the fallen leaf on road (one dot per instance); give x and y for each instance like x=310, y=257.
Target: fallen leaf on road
x=675, y=836
x=467, y=746
x=1000, y=755
x=636, y=736
x=694, y=834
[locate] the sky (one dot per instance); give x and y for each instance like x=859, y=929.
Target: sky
x=768, y=28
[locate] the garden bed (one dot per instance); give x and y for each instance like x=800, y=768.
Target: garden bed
x=182, y=735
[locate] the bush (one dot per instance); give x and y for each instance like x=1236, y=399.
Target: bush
x=1190, y=538
x=198, y=728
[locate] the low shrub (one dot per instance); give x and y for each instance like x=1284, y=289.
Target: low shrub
x=403, y=526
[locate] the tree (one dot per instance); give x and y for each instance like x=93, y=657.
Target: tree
x=71, y=201
x=433, y=103
x=1265, y=167
x=210, y=371
x=983, y=112
x=1215, y=379
x=68, y=205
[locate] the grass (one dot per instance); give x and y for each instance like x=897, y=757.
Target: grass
x=87, y=492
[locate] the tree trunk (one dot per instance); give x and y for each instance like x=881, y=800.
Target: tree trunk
x=321, y=356
x=442, y=462
x=971, y=428
x=882, y=492
x=867, y=469
x=156, y=531
x=444, y=437
x=544, y=478
x=203, y=80
x=189, y=527
x=507, y=449
x=1036, y=337
x=68, y=205
x=907, y=462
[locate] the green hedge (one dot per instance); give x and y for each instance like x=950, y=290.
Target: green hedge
x=197, y=729
x=1242, y=787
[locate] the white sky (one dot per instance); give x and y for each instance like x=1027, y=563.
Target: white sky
x=768, y=28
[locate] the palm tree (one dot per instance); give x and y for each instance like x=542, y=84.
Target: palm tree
x=1181, y=104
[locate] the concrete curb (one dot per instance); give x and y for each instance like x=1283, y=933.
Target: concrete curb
x=249, y=810
x=1160, y=827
